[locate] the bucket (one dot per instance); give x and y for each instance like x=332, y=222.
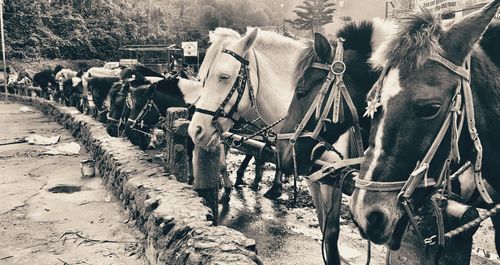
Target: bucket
x=87, y=168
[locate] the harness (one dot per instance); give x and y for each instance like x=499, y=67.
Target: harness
x=453, y=122
x=335, y=93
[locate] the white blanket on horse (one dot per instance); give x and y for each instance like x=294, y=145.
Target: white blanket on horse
x=101, y=72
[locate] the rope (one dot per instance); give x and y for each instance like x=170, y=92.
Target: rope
x=466, y=227
x=259, y=132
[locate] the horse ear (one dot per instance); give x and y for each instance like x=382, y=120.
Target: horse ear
x=322, y=47
x=458, y=40
x=248, y=40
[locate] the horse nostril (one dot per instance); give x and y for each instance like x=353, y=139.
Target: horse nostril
x=198, y=131
x=376, y=218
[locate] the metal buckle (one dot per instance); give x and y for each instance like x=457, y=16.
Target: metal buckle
x=338, y=65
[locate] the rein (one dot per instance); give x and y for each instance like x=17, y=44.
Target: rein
x=453, y=121
x=335, y=87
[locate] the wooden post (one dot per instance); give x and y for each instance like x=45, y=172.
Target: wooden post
x=3, y=49
x=206, y=169
x=175, y=153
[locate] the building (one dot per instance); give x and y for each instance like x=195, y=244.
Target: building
x=449, y=9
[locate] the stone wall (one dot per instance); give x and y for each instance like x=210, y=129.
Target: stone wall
x=175, y=222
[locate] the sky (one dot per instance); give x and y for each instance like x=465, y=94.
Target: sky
x=357, y=9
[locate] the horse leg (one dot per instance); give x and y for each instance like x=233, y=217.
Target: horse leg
x=275, y=191
x=226, y=196
x=332, y=198
x=496, y=225
x=240, y=173
x=189, y=162
x=259, y=164
x=327, y=201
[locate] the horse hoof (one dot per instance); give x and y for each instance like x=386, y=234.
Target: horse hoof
x=254, y=186
x=273, y=193
x=224, y=200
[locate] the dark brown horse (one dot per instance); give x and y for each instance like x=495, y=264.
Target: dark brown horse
x=437, y=83
x=358, y=41
x=45, y=78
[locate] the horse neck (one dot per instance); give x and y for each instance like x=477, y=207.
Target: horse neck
x=166, y=98
x=272, y=71
x=190, y=90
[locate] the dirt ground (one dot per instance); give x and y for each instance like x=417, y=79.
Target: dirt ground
x=41, y=227
x=48, y=213
x=290, y=235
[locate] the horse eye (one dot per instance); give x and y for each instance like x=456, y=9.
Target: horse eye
x=223, y=77
x=428, y=110
x=301, y=93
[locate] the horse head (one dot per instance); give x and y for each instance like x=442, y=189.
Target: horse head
x=57, y=69
x=221, y=103
x=416, y=107
x=119, y=109
x=325, y=71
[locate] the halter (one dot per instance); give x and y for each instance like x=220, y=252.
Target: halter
x=334, y=84
x=139, y=120
x=454, y=121
x=122, y=120
x=240, y=84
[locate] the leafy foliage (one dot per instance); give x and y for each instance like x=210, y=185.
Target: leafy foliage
x=312, y=14
x=87, y=29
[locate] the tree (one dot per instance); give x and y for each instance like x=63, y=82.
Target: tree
x=312, y=15
x=346, y=19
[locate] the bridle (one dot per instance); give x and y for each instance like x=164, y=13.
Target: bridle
x=453, y=121
x=241, y=83
x=335, y=93
x=137, y=124
x=122, y=120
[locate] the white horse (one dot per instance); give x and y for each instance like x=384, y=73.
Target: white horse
x=65, y=74
x=271, y=59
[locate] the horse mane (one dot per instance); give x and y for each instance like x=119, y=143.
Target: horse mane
x=265, y=41
x=115, y=88
x=411, y=46
x=217, y=39
x=269, y=40
x=358, y=37
x=306, y=58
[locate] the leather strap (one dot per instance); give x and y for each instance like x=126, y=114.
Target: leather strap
x=387, y=186
x=471, y=124
x=236, y=56
x=456, y=69
x=328, y=170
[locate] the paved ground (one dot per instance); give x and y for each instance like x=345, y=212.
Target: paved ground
x=38, y=226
